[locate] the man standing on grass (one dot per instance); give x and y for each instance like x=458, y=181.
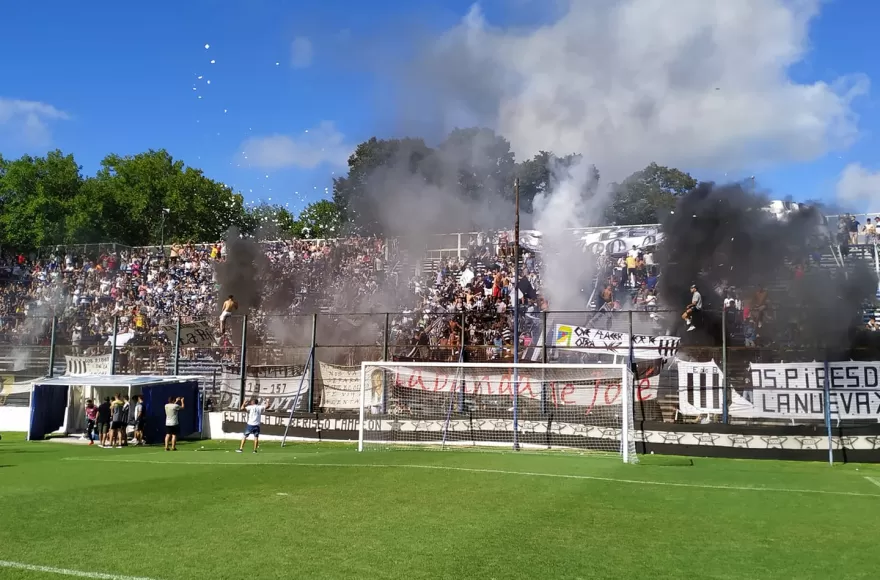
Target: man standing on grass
x=104, y=422
x=136, y=419
x=172, y=422
x=254, y=415
x=117, y=421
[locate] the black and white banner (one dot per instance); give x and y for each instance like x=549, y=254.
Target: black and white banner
x=78, y=366
x=796, y=391
x=595, y=341
x=783, y=391
x=284, y=386
x=192, y=334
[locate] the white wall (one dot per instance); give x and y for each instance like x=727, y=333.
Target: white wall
x=14, y=418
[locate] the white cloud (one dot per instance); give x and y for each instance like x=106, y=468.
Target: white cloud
x=859, y=186
x=28, y=122
x=692, y=83
x=301, y=52
x=323, y=144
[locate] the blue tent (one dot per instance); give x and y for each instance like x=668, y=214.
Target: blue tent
x=51, y=405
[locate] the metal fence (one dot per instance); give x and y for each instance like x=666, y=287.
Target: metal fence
x=686, y=377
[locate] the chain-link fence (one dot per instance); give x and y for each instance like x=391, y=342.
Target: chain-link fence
x=726, y=371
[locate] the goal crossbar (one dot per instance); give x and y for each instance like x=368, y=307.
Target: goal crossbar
x=448, y=403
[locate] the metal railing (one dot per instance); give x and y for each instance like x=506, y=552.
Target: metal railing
x=692, y=377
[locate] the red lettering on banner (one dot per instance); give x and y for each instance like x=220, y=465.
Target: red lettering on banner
x=437, y=385
x=608, y=388
x=416, y=381
x=525, y=386
x=505, y=385
x=644, y=385
x=567, y=391
x=595, y=395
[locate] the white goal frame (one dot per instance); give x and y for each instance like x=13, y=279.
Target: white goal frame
x=626, y=395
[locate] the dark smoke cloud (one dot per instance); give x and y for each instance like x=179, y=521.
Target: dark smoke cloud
x=719, y=237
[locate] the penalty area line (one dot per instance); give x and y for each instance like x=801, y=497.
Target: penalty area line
x=494, y=472
x=872, y=480
x=68, y=572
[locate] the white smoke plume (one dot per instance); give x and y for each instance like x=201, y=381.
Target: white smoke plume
x=695, y=84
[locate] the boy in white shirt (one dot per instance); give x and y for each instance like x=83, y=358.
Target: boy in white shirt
x=254, y=415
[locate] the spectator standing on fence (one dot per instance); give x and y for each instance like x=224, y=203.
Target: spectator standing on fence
x=694, y=309
x=229, y=307
x=254, y=416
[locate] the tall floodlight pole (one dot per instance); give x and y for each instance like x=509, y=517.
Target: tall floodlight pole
x=516, y=316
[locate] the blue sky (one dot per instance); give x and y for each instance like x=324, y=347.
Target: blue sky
x=119, y=77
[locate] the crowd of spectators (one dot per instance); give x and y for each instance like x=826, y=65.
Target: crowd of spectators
x=145, y=290
x=467, y=298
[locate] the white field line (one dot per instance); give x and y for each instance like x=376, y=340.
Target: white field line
x=66, y=572
x=495, y=472
x=872, y=480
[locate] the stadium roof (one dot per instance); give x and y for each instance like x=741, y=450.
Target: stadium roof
x=113, y=380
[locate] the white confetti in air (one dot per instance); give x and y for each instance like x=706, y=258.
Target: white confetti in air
x=199, y=77
x=207, y=46
x=200, y=96
x=195, y=89
x=209, y=82
x=224, y=110
x=277, y=63
x=307, y=130
x=213, y=61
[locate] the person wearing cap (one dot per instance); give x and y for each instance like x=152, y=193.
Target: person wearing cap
x=694, y=308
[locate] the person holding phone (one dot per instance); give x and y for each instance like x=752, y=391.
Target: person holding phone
x=172, y=422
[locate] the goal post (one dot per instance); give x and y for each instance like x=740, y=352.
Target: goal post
x=553, y=406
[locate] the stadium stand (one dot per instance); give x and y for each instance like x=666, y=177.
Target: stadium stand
x=146, y=288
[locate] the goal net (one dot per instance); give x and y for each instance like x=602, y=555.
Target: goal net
x=581, y=406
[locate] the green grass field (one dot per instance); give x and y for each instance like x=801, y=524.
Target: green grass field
x=324, y=511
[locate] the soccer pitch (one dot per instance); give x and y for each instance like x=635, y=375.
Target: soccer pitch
x=317, y=511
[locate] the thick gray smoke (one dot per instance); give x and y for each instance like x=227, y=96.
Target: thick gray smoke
x=719, y=237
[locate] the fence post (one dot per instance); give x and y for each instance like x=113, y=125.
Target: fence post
x=113, y=345
x=725, y=402
x=313, y=362
x=827, y=386
x=543, y=362
x=242, y=367
x=385, y=338
x=177, y=347
x=52, y=347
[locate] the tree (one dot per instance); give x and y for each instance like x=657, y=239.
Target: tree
x=36, y=195
x=479, y=162
x=125, y=201
x=320, y=219
x=268, y=222
x=646, y=195
x=375, y=165
x=538, y=175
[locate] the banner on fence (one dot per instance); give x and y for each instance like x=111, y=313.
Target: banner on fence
x=341, y=387
x=796, y=391
x=595, y=341
x=699, y=388
x=586, y=387
x=192, y=334
x=283, y=385
x=78, y=366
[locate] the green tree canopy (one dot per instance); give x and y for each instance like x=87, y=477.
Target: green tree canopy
x=320, y=219
x=645, y=195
